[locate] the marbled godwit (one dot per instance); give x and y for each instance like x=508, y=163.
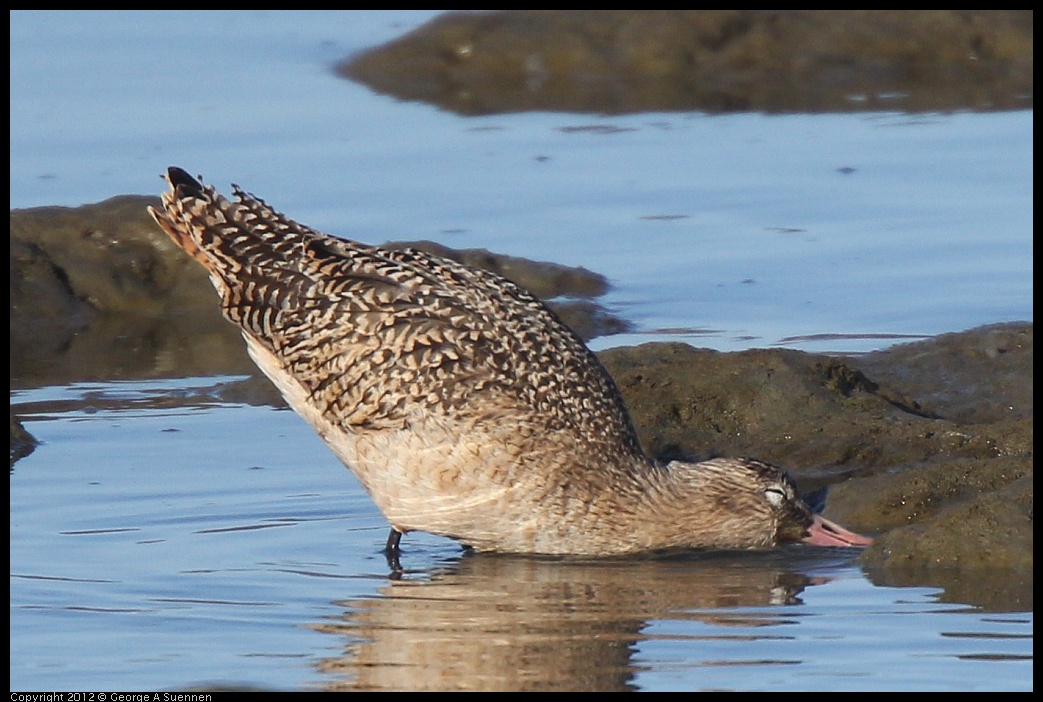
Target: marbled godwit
x=463, y=405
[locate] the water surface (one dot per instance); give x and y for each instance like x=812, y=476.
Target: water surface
x=159, y=543
x=821, y=232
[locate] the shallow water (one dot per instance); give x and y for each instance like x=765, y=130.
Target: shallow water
x=159, y=542
x=162, y=538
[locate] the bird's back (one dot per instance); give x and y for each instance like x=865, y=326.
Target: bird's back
x=457, y=398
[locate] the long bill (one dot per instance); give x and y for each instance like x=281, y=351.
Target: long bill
x=823, y=532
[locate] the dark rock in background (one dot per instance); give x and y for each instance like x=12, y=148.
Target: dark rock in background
x=620, y=61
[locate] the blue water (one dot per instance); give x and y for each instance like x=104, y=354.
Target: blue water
x=764, y=241
x=158, y=548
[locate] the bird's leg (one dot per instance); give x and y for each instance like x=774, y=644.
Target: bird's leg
x=391, y=551
x=392, y=545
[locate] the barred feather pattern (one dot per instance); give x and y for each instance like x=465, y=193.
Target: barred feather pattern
x=461, y=402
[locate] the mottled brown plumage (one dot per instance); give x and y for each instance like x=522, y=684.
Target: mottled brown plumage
x=462, y=404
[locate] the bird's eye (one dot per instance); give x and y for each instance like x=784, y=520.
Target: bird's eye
x=776, y=496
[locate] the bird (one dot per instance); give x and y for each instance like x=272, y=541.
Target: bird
x=462, y=404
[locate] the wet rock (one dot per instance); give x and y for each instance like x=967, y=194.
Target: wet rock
x=805, y=410
x=22, y=442
x=918, y=443
x=100, y=292
x=714, y=61
x=975, y=528
x=988, y=534
x=985, y=376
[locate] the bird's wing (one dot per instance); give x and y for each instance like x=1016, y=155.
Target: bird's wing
x=376, y=335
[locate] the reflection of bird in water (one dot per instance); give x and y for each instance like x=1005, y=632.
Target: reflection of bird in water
x=537, y=624
x=462, y=404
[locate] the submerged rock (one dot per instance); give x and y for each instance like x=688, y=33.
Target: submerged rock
x=620, y=61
